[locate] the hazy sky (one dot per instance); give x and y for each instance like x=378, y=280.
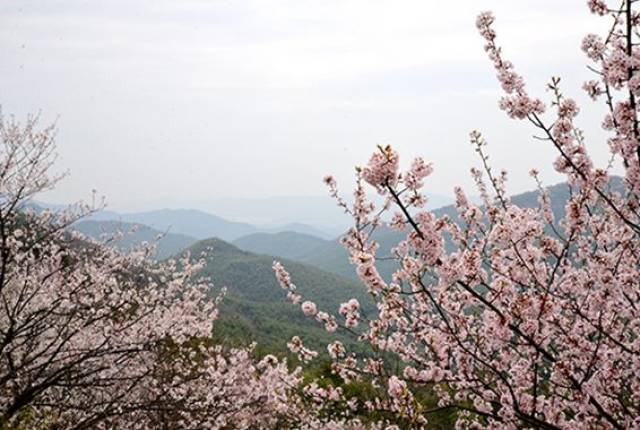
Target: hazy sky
x=175, y=103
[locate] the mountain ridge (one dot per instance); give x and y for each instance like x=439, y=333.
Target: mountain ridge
x=134, y=234
x=191, y=222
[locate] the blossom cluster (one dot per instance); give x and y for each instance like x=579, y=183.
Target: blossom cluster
x=517, y=103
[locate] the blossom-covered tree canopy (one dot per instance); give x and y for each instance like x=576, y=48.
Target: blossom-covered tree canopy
x=92, y=338
x=510, y=316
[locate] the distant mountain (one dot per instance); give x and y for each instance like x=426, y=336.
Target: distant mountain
x=134, y=234
x=203, y=225
x=333, y=257
x=191, y=222
x=318, y=211
x=195, y=223
x=287, y=244
x=297, y=227
x=256, y=307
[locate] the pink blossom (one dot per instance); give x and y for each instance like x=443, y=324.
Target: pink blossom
x=593, y=46
x=382, y=169
x=593, y=89
x=397, y=387
x=309, y=308
x=568, y=108
x=599, y=7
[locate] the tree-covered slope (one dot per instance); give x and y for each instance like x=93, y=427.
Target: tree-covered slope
x=256, y=307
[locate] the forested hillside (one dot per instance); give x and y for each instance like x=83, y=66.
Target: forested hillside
x=255, y=307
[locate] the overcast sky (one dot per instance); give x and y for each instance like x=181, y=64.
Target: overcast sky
x=175, y=103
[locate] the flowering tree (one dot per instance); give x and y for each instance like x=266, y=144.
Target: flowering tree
x=511, y=317
x=92, y=338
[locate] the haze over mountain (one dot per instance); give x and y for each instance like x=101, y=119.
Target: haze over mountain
x=304, y=229
x=230, y=219
x=287, y=244
x=192, y=222
x=167, y=243
x=318, y=211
